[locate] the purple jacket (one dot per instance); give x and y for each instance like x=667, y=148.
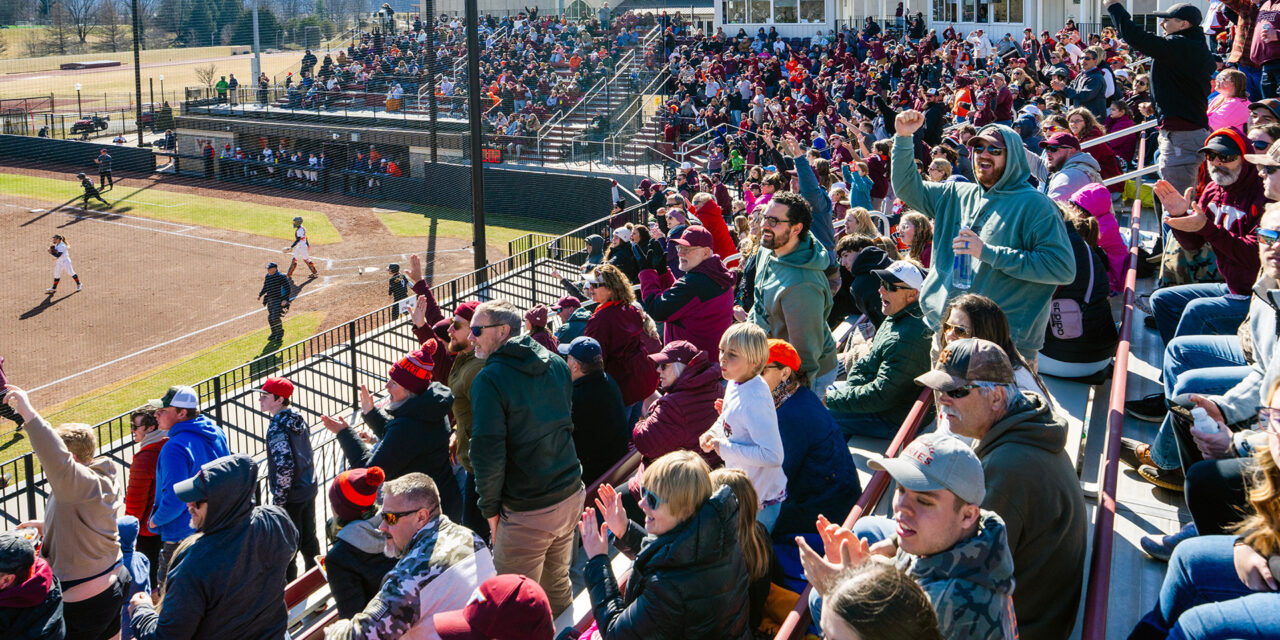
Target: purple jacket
x=698, y=307
x=682, y=413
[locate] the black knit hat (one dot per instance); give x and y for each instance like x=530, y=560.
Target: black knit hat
x=17, y=553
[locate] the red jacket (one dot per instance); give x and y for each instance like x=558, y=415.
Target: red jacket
x=140, y=495
x=619, y=328
x=712, y=218
x=683, y=413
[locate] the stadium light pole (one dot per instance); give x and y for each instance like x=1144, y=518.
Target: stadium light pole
x=79, y=110
x=477, y=152
x=429, y=8
x=137, y=72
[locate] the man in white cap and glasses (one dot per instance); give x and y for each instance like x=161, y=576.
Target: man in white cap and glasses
x=957, y=551
x=1268, y=165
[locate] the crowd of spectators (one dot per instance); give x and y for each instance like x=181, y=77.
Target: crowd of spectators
x=919, y=219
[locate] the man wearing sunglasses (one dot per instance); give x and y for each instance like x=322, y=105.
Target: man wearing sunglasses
x=1071, y=168
x=1089, y=89
x=1268, y=165
x=440, y=564
x=230, y=579
x=1030, y=481
x=1013, y=232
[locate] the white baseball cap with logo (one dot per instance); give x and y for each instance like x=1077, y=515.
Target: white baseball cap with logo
x=937, y=461
x=901, y=272
x=178, y=396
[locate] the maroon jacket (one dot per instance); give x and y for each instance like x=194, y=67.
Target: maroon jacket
x=619, y=328
x=683, y=413
x=1230, y=231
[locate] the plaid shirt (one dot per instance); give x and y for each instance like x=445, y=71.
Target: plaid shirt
x=1247, y=17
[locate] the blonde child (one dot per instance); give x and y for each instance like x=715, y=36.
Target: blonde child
x=746, y=433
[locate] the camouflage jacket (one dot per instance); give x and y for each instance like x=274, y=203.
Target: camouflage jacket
x=290, y=464
x=444, y=564
x=970, y=584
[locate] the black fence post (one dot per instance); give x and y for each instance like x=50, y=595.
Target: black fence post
x=217, y=401
x=355, y=375
x=29, y=470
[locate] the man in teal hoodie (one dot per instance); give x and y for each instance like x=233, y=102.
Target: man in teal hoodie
x=793, y=298
x=1014, y=233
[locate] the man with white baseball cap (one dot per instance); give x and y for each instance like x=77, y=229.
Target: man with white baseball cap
x=957, y=551
x=1268, y=165
x=878, y=393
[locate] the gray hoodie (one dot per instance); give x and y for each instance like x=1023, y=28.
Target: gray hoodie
x=1078, y=171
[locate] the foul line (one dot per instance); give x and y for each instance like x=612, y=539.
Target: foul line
x=163, y=344
x=180, y=234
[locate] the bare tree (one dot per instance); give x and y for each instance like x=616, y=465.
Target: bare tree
x=116, y=34
x=82, y=14
x=59, y=34
x=206, y=74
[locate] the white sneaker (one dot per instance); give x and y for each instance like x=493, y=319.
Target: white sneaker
x=50, y=290
x=79, y=287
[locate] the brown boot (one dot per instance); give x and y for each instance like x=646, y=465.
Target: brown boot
x=1170, y=479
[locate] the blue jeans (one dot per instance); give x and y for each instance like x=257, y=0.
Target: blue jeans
x=1271, y=79
x=1253, y=82
x=873, y=529
x=768, y=516
x=1202, y=598
x=1195, y=364
x=1197, y=309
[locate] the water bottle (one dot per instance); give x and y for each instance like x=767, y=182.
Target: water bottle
x=962, y=269
x=1203, y=423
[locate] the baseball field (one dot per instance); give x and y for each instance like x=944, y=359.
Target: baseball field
x=171, y=272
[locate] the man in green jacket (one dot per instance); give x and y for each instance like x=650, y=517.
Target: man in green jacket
x=878, y=393
x=221, y=88
x=793, y=298
x=526, y=466
x=465, y=367
x=1014, y=234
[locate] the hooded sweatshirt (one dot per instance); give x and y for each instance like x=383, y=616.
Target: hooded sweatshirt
x=80, y=537
x=191, y=444
x=228, y=582
x=793, y=300
x=1026, y=253
x=970, y=584
x=31, y=609
x=698, y=307
x=138, y=565
x=1079, y=170
x=522, y=429
x=1032, y=485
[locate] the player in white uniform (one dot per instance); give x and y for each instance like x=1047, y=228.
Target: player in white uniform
x=301, y=248
x=62, y=263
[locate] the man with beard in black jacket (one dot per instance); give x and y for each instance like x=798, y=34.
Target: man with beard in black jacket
x=225, y=581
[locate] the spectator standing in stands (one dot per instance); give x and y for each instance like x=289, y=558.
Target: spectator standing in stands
x=410, y=426
x=1089, y=89
x=356, y=563
x=689, y=578
x=600, y=431
x=1016, y=241
x=30, y=597
x=79, y=535
x=527, y=469
x=140, y=494
x=1030, y=481
x=291, y=466
x=505, y=607
x=573, y=318
x=194, y=439
x=227, y=582
x=697, y=307
x=1264, y=50
x=465, y=367
x=619, y=326
x=136, y=564
x=877, y=394
x=440, y=564
x=1181, y=70
x=7, y=411
x=792, y=295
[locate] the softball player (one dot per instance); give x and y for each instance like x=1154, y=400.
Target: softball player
x=301, y=248
x=62, y=263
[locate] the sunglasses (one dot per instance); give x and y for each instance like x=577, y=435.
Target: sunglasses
x=1051, y=148
x=392, y=517
x=1269, y=420
x=960, y=330
x=1267, y=169
x=1259, y=145
x=476, y=331
x=961, y=392
x=1213, y=156
x=988, y=149
x=1266, y=236
x=650, y=499
x=892, y=286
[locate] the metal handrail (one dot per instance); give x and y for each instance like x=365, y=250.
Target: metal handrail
x=1095, y=607
x=1145, y=125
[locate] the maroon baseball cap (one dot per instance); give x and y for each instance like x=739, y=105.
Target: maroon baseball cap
x=505, y=607
x=1061, y=139
x=681, y=351
x=567, y=302
x=696, y=236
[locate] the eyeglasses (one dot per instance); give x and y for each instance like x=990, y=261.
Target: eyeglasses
x=392, y=517
x=1266, y=236
x=1268, y=169
x=770, y=221
x=1269, y=420
x=988, y=149
x=650, y=498
x=1213, y=156
x=476, y=331
x=961, y=392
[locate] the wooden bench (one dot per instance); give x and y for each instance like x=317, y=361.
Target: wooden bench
x=304, y=598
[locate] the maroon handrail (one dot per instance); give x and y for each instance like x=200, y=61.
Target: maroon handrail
x=1095, y=607
x=798, y=619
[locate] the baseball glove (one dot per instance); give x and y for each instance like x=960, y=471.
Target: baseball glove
x=53, y=250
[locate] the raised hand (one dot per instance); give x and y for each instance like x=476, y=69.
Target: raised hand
x=415, y=269
x=419, y=315
x=595, y=540
x=908, y=122
x=1175, y=203
x=610, y=505
x=334, y=425
x=366, y=399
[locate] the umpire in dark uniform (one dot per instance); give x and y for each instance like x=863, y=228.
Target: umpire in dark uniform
x=275, y=294
x=104, y=169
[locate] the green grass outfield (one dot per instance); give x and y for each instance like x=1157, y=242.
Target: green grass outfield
x=262, y=220
x=411, y=220
x=112, y=400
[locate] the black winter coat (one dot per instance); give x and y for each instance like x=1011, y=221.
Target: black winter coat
x=40, y=622
x=412, y=437
x=1100, y=338
x=600, y=430
x=1181, y=68
x=690, y=582
x=355, y=576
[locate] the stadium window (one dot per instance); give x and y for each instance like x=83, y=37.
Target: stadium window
x=784, y=11
x=735, y=11
x=970, y=10
x=813, y=11
x=761, y=11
